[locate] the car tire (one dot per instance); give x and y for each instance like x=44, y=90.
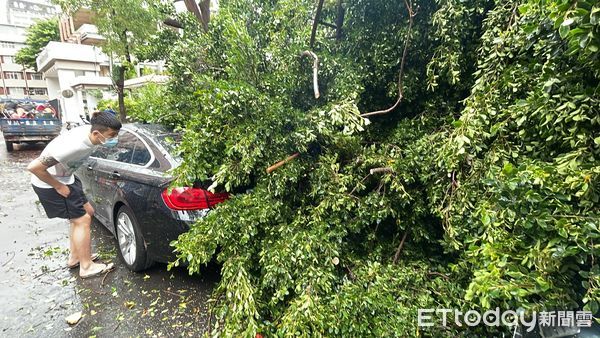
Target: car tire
x=130, y=242
x=9, y=146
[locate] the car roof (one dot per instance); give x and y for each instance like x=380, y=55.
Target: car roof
x=154, y=133
x=149, y=129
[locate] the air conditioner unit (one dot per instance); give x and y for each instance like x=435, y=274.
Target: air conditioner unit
x=68, y=93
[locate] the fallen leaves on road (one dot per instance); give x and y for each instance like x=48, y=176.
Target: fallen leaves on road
x=74, y=318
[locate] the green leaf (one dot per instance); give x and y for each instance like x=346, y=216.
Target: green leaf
x=595, y=15
x=485, y=219
x=594, y=19
x=457, y=123
x=563, y=31
x=563, y=233
x=507, y=169
x=523, y=9
x=584, y=40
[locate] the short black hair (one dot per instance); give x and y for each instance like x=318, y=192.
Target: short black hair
x=102, y=121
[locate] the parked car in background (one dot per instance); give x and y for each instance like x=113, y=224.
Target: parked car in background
x=128, y=186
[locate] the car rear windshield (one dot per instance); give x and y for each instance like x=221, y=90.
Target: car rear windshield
x=170, y=142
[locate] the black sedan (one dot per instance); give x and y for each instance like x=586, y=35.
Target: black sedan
x=128, y=186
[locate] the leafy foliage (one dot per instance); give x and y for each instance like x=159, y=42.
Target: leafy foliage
x=127, y=26
x=38, y=36
x=491, y=193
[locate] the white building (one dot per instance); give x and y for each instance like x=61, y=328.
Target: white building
x=15, y=17
x=77, y=73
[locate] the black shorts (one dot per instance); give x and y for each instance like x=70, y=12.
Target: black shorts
x=57, y=206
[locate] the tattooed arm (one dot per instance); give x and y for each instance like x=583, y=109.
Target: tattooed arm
x=39, y=167
x=47, y=161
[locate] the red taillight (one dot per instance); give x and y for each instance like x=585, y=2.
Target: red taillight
x=192, y=198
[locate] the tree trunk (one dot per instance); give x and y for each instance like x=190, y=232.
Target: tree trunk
x=26, y=82
x=121, y=80
x=313, y=34
x=199, y=11
x=339, y=22
x=205, y=9
x=120, y=93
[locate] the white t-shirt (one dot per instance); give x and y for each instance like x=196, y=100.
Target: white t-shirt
x=70, y=149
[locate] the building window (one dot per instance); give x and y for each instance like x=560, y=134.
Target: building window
x=13, y=76
x=38, y=91
x=22, y=22
x=36, y=76
x=8, y=59
x=16, y=90
x=7, y=44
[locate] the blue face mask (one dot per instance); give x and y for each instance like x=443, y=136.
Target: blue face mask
x=111, y=142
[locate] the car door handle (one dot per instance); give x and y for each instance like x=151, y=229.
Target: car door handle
x=89, y=167
x=115, y=174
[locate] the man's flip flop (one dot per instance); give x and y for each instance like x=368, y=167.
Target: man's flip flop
x=95, y=256
x=107, y=268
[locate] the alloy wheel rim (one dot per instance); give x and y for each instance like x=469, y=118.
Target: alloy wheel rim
x=126, y=238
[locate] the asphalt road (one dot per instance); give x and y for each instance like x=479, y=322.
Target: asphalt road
x=37, y=291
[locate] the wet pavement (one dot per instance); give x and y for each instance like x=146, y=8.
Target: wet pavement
x=37, y=291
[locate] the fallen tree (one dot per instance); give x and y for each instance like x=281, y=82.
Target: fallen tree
x=477, y=189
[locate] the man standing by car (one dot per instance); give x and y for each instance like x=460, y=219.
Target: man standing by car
x=61, y=193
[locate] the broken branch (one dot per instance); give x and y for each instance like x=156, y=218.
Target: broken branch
x=173, y=23
x=397, y=255
x=361, y=182
x=280, y=163
x=174, y=294
x=384, y=170
x=351, y=274
x=104, y=278
x=434, y=273
x=411, y=15
x=315, y=71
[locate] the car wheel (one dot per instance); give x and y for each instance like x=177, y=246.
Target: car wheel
x=130, y=242
x=9, y=146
